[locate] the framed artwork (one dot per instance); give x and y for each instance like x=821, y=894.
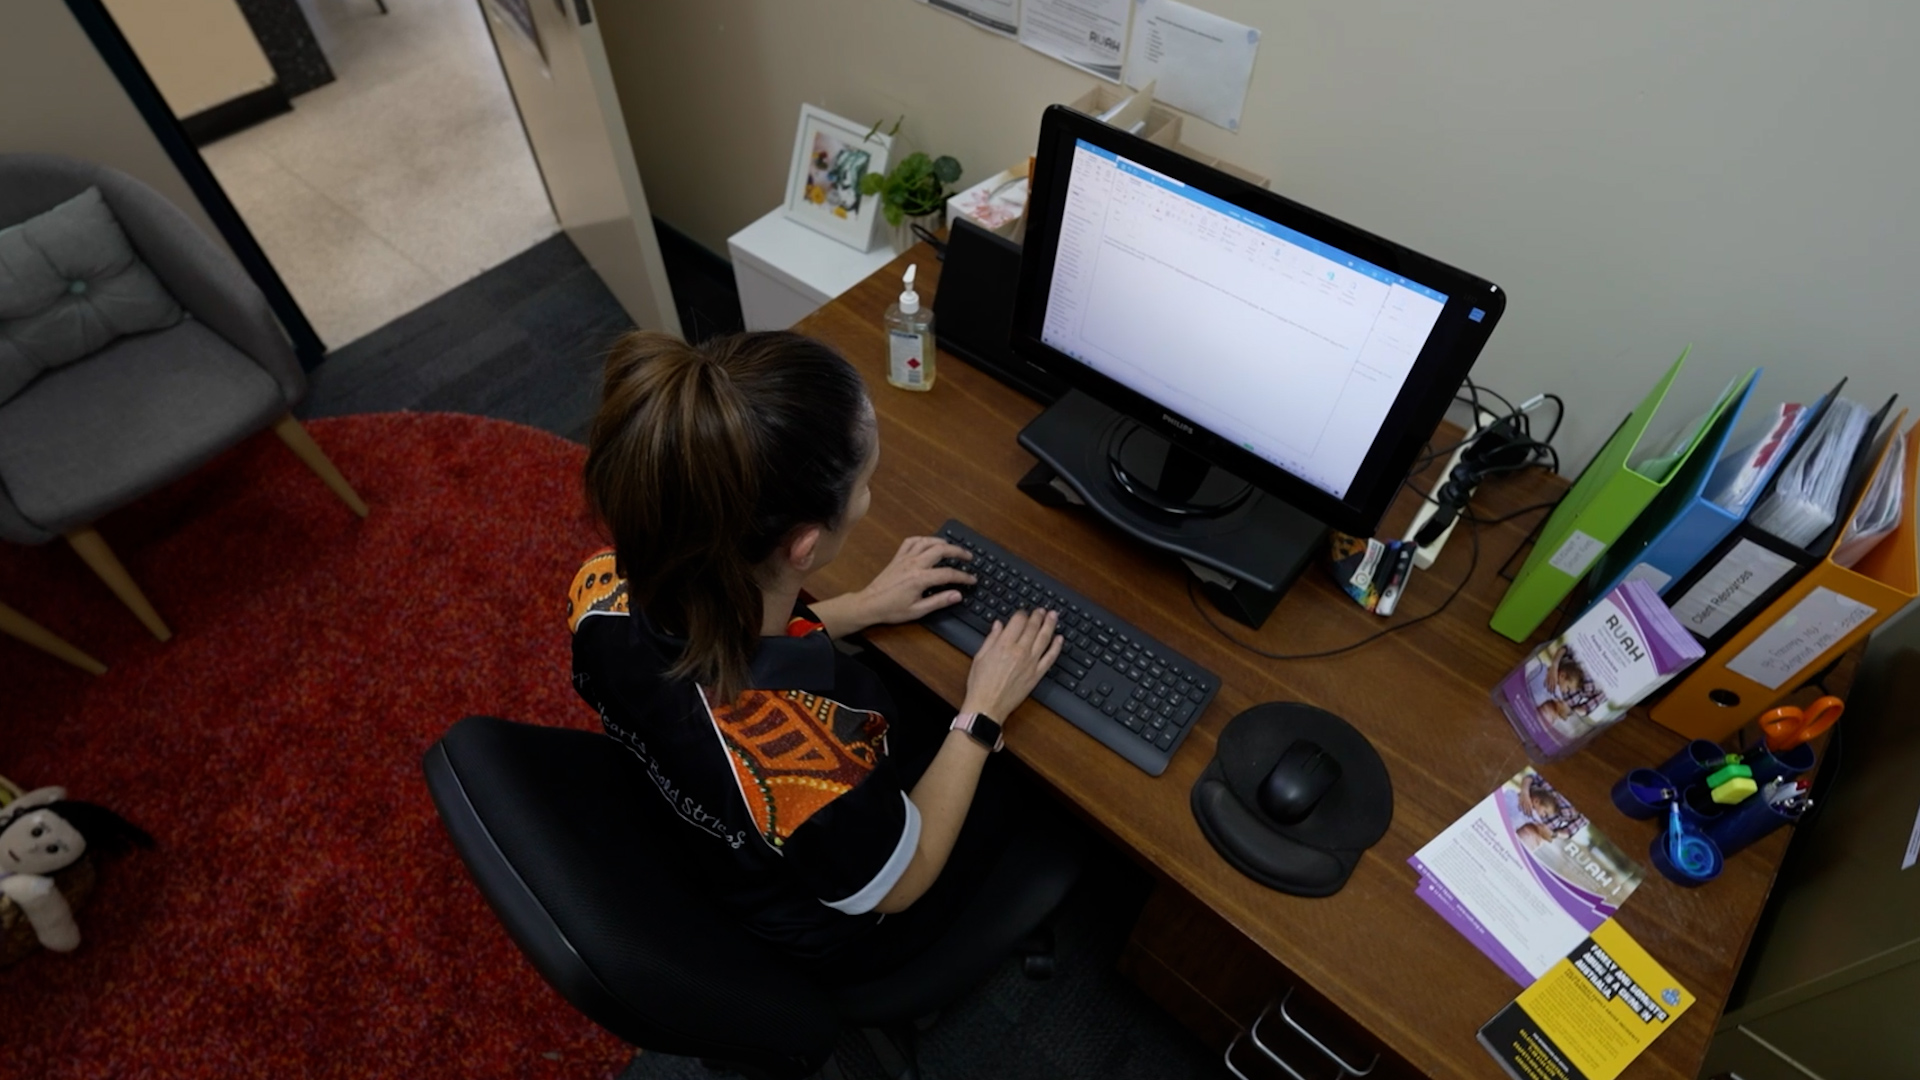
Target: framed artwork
x=830, y=155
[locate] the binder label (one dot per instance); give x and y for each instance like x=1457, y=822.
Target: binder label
x=1649, y=573
x=1576, y=553
x=1725, y=591
x=1800, y=637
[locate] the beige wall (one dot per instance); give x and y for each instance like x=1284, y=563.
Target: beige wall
x=57, y=96
x=1638, y=174
x=201, y=53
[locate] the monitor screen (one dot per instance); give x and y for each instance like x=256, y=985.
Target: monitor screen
x=1257, y=330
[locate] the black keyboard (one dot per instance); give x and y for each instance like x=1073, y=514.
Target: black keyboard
x=1113, y=682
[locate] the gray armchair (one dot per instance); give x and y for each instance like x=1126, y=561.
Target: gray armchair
x=86, y=438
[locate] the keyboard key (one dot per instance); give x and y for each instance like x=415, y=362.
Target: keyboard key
x=1165, y=740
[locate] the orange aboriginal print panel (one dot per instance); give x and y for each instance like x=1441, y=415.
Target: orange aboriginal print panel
x=596, y=588
x=795, y=753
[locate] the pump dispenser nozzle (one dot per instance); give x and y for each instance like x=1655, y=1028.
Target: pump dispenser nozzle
x=909, y=300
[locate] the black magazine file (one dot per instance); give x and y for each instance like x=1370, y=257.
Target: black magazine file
x=1801, y=559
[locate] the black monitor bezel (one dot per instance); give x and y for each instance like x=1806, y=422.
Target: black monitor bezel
x=1450, y=351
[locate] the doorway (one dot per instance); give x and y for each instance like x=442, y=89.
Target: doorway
x=405, y=176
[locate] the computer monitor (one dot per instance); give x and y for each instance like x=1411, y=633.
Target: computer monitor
x=1304, y=356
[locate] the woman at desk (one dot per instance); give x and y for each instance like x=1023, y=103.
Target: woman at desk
x=831, y=826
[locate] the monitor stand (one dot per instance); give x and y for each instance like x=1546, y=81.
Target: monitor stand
x=1245, y=546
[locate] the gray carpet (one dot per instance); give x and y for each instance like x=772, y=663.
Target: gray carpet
x=524, y=342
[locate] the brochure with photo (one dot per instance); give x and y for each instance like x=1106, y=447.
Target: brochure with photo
x=1525, y=876
x=1626, y=646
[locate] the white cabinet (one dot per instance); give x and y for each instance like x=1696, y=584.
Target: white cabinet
x=786, y=271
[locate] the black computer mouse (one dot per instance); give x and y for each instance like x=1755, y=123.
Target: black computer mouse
x=1299, y=779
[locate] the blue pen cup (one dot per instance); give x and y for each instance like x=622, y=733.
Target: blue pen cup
x=1693, y=763
x=1785, y=765
x=1637, y=794
x=1698, y=808
x=1744, y=823
x=1663, y=862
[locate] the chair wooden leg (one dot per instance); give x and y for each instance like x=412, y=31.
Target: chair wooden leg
x=301, y=443
x=92, y=548
x=18, y=625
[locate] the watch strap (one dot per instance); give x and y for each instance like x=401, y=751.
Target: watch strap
x=982, y=728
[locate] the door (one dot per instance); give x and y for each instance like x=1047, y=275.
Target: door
x=555, y=63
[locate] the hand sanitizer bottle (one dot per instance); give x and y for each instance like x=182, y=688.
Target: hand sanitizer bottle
x=909, y=340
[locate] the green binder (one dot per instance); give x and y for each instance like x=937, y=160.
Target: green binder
x=1604, y=501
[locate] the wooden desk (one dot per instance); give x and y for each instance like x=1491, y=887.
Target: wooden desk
x=1373, y=951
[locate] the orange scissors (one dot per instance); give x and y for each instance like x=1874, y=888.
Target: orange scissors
x=1788, y=727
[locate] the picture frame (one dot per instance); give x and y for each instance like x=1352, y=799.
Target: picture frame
x=830, y=155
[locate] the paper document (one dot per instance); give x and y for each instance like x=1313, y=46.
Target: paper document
x=1590, y=1016
x=999, y=16
x=1088, y=34
x=1524, y=877
x=1806, y=495
x=1734, y=488
x=1202, y=61
x=1879, y=512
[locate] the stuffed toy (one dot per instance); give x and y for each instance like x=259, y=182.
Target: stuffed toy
x=42, y=832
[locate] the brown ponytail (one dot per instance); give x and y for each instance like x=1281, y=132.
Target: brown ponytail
x=701, y=460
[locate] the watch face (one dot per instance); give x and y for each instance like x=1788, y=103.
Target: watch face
x=984, y=730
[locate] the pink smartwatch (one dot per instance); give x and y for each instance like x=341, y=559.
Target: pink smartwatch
x=981, y=728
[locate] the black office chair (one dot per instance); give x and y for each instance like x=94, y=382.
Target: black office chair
x=576, y=852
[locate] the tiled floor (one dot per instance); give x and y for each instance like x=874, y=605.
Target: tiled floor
x=403, y=178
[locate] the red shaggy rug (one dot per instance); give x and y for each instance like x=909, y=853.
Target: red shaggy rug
x=304, y=915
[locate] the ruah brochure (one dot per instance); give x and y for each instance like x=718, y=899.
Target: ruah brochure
x=1524, y=876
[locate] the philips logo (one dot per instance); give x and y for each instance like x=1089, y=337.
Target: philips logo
x=1185, y=428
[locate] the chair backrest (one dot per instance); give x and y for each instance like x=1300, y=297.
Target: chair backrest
x=572, y=845
x=207, y=280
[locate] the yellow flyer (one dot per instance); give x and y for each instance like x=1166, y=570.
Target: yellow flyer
x=1589, y=1015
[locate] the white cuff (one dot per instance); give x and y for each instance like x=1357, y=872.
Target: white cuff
x=883, y=882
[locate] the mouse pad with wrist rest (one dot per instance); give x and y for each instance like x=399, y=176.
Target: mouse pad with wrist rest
x=1314, y=856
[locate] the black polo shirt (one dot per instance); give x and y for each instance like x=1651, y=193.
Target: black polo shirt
x=797, y=816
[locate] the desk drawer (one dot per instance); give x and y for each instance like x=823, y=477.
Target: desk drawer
x=1224, y=988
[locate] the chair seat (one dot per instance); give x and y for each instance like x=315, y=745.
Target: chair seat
x=97, y=434
x=567, y=837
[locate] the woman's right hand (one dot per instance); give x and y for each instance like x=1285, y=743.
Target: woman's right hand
x=1010, y=663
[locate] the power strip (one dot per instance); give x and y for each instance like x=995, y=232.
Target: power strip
x=1423, y=557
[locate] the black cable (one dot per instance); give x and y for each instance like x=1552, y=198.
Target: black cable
x=923, y=233
x=1473, y=564
x=1560, y=413
x=1549, y=504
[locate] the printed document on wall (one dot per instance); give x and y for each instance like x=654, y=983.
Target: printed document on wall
x=1203, y=62
x=1089, y=34
x=999, y=16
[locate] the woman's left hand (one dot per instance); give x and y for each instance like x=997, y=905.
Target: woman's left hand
x=896, y=594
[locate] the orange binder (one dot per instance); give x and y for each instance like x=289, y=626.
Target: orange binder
x=1811, y=624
